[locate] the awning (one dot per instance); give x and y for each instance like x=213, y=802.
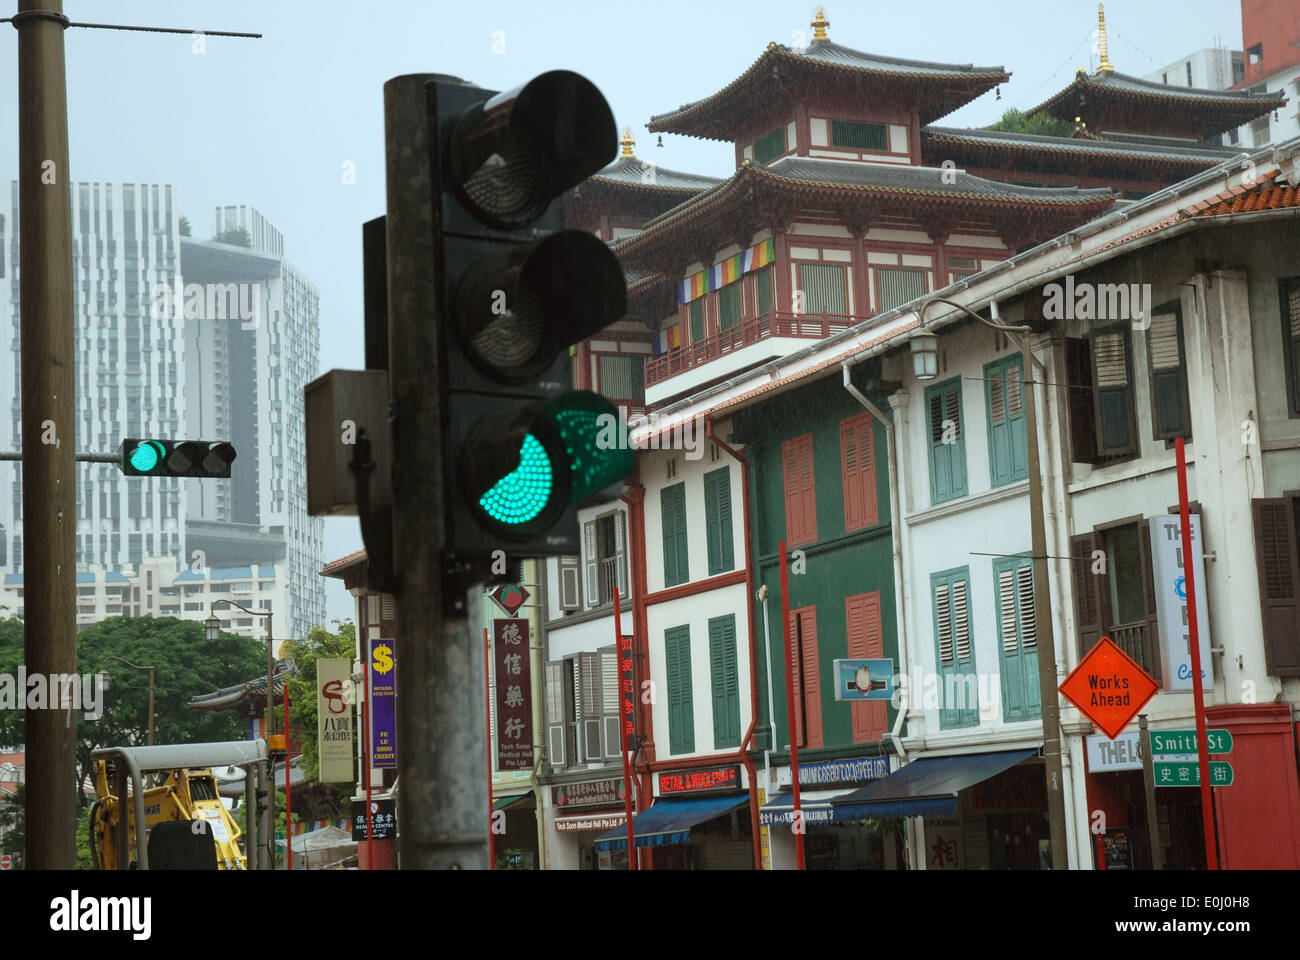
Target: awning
x=814, y=804
x=500, y=803
x=927, y=787
x=591, y=821
x=670, y=821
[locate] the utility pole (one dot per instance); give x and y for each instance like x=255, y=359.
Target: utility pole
x=48, y=423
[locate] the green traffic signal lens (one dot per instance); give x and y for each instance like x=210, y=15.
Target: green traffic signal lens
x=589, y=428
x=147, y=455
x=521, y=495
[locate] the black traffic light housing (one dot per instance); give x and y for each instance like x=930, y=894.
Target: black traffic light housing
x=175, y=458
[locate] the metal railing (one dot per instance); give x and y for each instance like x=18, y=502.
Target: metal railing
x=1139, y=641
x=809, y=326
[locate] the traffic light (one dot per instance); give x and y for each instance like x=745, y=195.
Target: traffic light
x=175, y=458
x=513, y=291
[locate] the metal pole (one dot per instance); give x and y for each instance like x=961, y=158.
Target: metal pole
x=151, y=672
x=1047, y=682
x=49, y=414
x=439, y=733
x=1198, y=674
x=1149, y=781
x=365, y=732
x=270, y=729
x=798, y=824
x=288, y=787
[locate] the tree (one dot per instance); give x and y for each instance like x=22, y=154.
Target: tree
x=185, y=226
x=185, y=665
x=13, y=824
x=237, y=236
x=1041, y=124
x=320, y=643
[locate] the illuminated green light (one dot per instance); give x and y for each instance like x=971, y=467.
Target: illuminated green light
x=146, y=456
x=522, y=494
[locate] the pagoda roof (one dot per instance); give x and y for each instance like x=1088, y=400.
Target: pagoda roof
x=940, y=87
x=1209, y=112
x=629, y=172
x=1198, y=155
x=914, y=190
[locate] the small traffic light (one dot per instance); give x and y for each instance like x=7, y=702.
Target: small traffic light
x=512, y=290
x=175, y=458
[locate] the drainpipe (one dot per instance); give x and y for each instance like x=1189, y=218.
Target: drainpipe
x=744, y=756
x=896, y=535
x=771, y=710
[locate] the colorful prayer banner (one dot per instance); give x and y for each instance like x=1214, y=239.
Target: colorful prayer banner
x=728, y=271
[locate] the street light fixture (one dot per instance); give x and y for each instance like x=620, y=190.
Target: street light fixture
x=104, y=677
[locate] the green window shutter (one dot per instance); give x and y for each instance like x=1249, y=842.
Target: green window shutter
x=947, y=459
x=697, y=320
x=954, y=649
x=1004, y=395
x=859, y=136
x=768, y=148
x=726, y=688
x=824, y=287
x=1112, y=374
x=729, y=306
x=1013, y=583
x=1170, y=410
x=763, y=288
x=681, y=711
x=717, y=513
x=672, y=504
x=896, y=286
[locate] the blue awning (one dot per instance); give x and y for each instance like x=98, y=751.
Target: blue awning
x=815, y=805
x=927, y=787
x=669, y=821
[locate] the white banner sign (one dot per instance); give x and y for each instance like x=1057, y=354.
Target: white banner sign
x=334, y=719
x=1171, y=602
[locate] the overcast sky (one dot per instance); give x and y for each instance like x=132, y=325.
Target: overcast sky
x=272, y=122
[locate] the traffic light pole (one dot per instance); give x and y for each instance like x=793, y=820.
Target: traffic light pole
x=48, y=423
x=441, y=739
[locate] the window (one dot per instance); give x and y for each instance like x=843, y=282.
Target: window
x=696, y=310
x=605, y=558
x=1114, y=591
x=763, y=290
x=800, y=495
x=1102, y=417
x=621, y=376
x=859, y=470
x=1289, y=292
x=895, y=287
x=672, y=504
x=1277, y=531
x=1189, y=73
x=681, y=710
x=959, y=267
x=717, y=520
x=807, y=677
x=726, y=686
x=1004, y=399
x=768, y=148
x=570, y=583
x=581, y=707
x=1170, y=411
x=865, y=640
x=859, y=136
x=1013, y=581
x=954, y=651
x=947, y=441
x=729, y=306
x=823, y=289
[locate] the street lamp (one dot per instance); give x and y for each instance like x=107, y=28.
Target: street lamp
x=104, y=676
x=1051, y=712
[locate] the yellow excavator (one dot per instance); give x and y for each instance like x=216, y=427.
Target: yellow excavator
x=173, y=790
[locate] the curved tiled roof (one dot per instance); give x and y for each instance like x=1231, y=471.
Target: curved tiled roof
x=630, y=172
x=705, y=118
x=1126, y=149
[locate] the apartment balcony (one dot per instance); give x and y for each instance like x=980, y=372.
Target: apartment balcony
x=724, y=352
x=1141, y=642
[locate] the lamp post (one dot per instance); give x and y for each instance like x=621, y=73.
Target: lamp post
x=923, y=351
x=136, y=666
x=212, y=630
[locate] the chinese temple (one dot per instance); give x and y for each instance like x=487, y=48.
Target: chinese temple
x=848, y=200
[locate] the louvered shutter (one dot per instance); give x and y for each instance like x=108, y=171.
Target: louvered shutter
x=591, y=564
x=800, y=493
x=1151, y=641
x=668, y=508
x=865, y=641
x=1113, y=385
x=896, y=286
x=696, y=310
x=823, y=288
x=681, y=712
x=1169, y=404
x=609, y=699
x=1013, y=700
x=722, y=665
x=620, y=554
x=1290, y=295
x=955, y=649
x=570, y=583
x=1090, y=592
x=1083, y=417
x=943, y=621
x=1029, y=639
x=1278, y=564
x=807, y=489
x=793, y=512
x=1008, y=452
x=947, y=460
x=717, y=518
x=679, y=516
x=796, y=677
x=589, y=699
x=860, y=509
x=811, y=674
x=555, y=712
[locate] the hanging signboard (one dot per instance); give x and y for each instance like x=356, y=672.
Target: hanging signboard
x=864, y=679
x=383, y=705
x=627, y=693
x=514, y=702
x=334, y=720
x=1168, y=567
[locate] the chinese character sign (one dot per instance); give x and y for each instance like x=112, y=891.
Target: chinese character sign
x=334, y=719
x=513, y=694
x=627, y=693
x=383, y=705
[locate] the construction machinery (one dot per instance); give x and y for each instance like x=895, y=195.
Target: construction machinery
x=174, y=793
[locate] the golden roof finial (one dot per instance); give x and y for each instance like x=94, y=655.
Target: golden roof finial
x=819, y=24
x=627, y=143
x=1101, y=32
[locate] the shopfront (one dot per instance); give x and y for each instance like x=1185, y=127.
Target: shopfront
x=583, y=811
x=516, y=847
x=699, y=821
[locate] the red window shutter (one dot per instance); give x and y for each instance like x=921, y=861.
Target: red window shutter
x=812, y=687
x=808, y=494
x=860, y=509
x=792, y=644
x=800, y=497
x=866, y=641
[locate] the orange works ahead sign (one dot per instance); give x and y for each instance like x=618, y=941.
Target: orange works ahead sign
x=1108, y=687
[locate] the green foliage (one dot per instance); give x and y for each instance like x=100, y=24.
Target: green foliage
x=320, y=643
x=238, y=236
x=185, y=226
x=185, y=665
x=13, y=823
x=1041, y=124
